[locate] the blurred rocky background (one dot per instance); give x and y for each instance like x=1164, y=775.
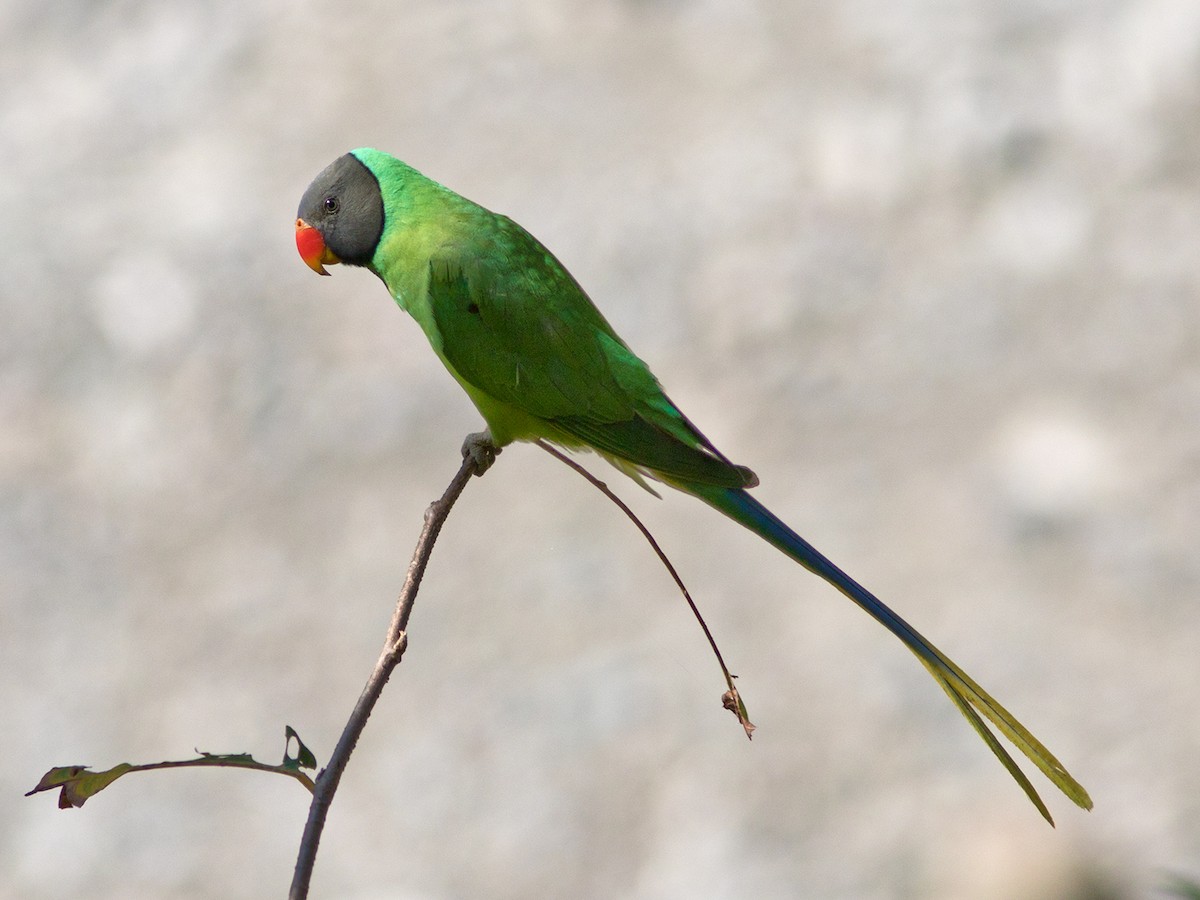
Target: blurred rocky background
x=931, y=269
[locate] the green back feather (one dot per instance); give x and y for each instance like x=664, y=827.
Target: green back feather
x=519, y=332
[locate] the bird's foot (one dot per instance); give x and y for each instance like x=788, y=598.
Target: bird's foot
x=482, y=450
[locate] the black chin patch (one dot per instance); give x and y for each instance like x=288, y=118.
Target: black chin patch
x=345, y=205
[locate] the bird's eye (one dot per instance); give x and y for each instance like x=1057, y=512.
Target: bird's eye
x=331, y=205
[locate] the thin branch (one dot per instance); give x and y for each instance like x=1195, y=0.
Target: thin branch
x=78, y=784
x=389, y=658
x=397, y=640
x=731, y=700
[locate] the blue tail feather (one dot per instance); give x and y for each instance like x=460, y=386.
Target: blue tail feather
x=972, y=701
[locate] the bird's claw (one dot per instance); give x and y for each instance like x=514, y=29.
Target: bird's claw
x=481, y=449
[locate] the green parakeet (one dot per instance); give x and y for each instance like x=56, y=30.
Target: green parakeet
x=540, y=362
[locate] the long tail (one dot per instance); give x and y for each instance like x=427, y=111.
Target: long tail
x=972, y=700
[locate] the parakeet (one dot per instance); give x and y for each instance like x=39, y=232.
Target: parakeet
x=541, y=363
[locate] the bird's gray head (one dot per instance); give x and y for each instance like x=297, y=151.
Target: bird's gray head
x=340, y=218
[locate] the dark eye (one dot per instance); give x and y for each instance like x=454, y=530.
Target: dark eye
x=331, y=205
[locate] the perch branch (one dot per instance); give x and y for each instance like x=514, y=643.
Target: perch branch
x=389, y=658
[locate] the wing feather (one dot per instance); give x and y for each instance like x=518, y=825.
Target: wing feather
x=517, y=327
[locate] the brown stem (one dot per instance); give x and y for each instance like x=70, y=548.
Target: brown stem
x=732, y=699
x=389, y=658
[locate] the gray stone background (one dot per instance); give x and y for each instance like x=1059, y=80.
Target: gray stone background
x=930, y=268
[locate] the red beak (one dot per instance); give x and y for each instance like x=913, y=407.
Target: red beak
x=312, y=248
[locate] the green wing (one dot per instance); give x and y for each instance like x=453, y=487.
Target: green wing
x=518, y=327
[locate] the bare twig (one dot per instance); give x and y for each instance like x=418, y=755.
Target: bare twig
x=397, y=640
x=389, y=658
x=731, y=700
